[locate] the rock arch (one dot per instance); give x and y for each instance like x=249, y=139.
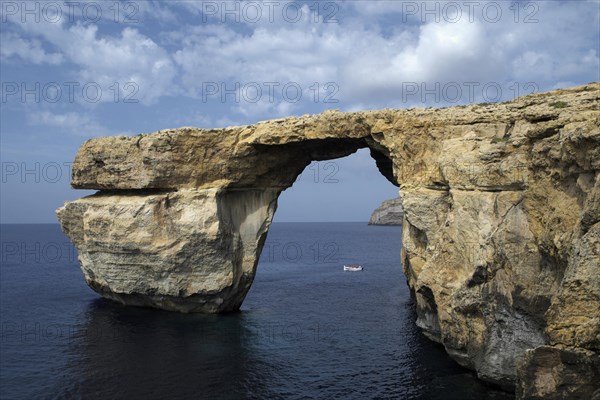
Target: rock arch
x=501, y=233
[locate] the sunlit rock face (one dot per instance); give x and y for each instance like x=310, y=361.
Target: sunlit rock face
x=190, y=250
x=501, y=231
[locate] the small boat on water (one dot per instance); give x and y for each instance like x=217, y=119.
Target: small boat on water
x=353, y=267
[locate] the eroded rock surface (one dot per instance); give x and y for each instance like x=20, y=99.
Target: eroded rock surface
x=500, y=236
x=549, y=373
x=390, y=212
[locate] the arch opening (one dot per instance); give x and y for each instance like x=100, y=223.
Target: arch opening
x=303, y=300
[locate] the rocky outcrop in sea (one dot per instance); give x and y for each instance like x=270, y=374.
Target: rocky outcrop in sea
x=390, y=212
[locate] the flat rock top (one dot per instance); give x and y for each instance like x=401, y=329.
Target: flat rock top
x=194, y=157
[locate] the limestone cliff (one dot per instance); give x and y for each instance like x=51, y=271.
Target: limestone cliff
x=501, y=233
x=390, y=212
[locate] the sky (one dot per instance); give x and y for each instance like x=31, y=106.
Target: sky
x=71, y=71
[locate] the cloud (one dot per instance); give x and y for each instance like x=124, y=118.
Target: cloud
x=27, y=50
x=372, y=60
x=129, y=57
x=442, y=53
x=276, y=60
x=370, y=55
x=70, y=122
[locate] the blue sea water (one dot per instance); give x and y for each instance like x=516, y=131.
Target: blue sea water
x=307, y=330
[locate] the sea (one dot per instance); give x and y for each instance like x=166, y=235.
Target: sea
x=307, y=329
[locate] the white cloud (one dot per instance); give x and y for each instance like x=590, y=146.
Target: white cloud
x=70, y=123
x=106, y=60
x=371, y=61
x=132, y=57
x=443, y=52
x=370, y=54
x=28, y=50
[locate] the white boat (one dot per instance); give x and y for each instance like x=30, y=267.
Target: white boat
x=353, y=267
